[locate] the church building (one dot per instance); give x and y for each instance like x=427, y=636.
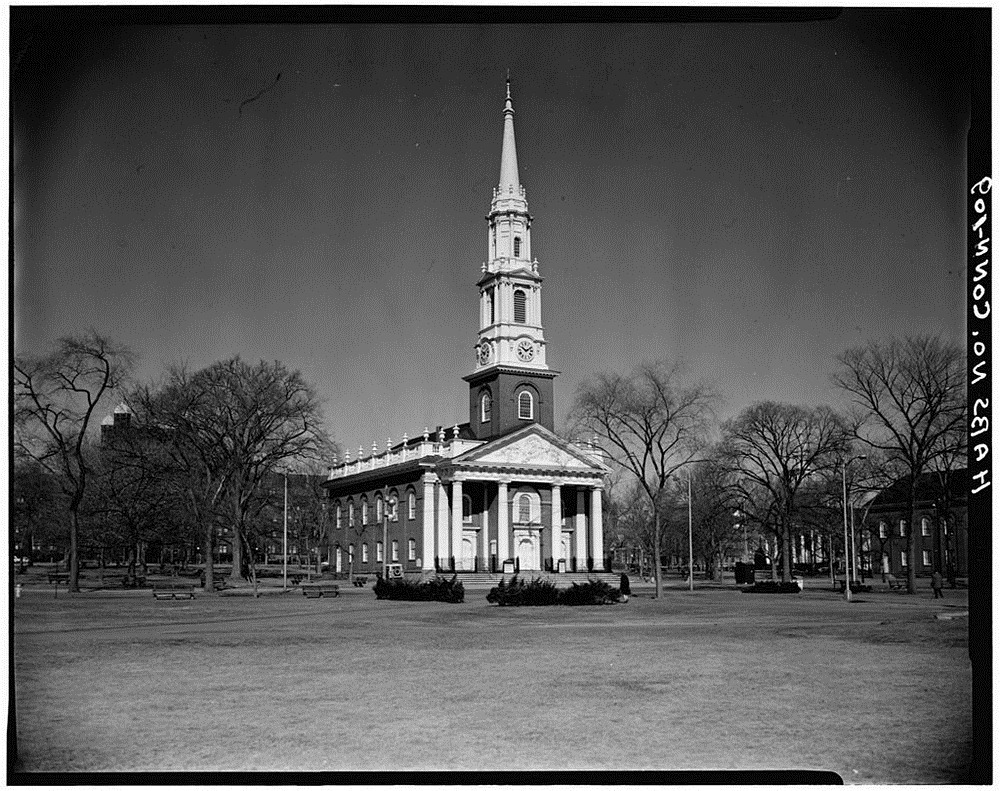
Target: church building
x=500, y=492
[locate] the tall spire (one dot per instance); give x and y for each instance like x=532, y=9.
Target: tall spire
x=509, y=181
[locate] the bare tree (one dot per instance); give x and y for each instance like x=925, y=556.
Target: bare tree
x=35, y=504
x=55, y=399
x=650, y=425
x=227, y=427
x=776, y=451
x=911, y=400
x=715, y=496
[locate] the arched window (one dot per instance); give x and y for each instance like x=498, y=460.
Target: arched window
x=411, y=505
x=525, y=406
x=364, y=510
x=378, y=508
x=392, y=506
x=902, y=528
x=492, y=307
x=337, y=517
x=466, y=509
x=517, y=246
x=524, y=509
x=520, y=307
x=882, y=529
x=350, y=513
x=487, y=407
x=925, y=526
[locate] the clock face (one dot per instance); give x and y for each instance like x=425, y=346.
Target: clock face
x=525, y=351
x=484, y=354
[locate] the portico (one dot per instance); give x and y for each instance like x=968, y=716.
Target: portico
x=529, y=497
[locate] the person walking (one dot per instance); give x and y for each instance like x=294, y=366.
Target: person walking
x=937, y=582
x=624, y=589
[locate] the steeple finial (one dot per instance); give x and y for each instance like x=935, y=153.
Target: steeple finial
x=510, y=184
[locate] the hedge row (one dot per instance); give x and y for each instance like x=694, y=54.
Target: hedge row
x=541, y=593
x=436, y=589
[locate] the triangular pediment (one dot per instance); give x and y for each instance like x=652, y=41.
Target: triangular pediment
x=532, y=446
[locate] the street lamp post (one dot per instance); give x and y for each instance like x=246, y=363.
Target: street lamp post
x=284, y=545
x=690, y=539
x=847, y=543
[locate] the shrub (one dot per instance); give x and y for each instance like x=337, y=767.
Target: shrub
x=590, y=592
x=518, y=593
x=541, y=593
x=436, y=589
x=772, y=586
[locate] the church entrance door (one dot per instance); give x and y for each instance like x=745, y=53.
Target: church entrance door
x=469, y=552
x=527, y=553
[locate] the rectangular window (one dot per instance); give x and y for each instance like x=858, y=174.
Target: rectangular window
x=395, y=551
x=902, y=559
x=882, y=528
x=902, y=528
x=926, y=557
x=364, y=553
x=378, y=552
x=925, y=527
x=411, y=549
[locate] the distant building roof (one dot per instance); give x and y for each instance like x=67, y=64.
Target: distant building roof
x=930, y=487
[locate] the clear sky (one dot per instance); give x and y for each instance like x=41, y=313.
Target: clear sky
x=750, y=197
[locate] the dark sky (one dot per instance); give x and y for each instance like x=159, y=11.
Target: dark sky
x=750, y=197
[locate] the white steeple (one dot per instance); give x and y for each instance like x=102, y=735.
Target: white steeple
x=510, y=325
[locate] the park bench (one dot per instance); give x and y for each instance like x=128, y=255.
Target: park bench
x=173, y=590
x=360, y=582
x=218, y=582
x=895, y=583
x=316, y=590
x=856, y=587
x=57, y=578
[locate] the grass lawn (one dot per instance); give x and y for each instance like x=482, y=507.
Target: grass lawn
x=877, y=690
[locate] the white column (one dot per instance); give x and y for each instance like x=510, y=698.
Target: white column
x=427, y=551
x=443, y=521
x=484, y=530
x=581, y=531
x=503, y=530
x=456, y=521
x=596, y=529
x=556, y=525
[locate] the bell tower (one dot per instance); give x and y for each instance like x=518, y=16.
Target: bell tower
x=512, y=383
